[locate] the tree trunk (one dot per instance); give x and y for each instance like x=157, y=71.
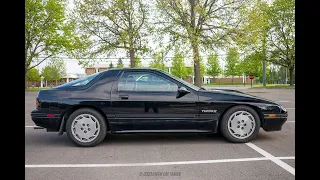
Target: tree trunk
x=291, y=75
x=264, y=58
x=196, y=65
x=162, y=60
x=132, y=61
x=264, y=73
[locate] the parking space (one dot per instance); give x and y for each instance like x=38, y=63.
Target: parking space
x=171, y=156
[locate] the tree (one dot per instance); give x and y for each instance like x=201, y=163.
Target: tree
x=120, y=63
x=111, y=65
x=253, y=32
x=54, y=71
x=190, y=71
x=251, y=64
x=113, y=25
x=202, y=68
x=137, y=62
x=213, y=68
x=282, y=34
x=178, y=66
x=200, y=23
x=33, y=75
x=157, y=61
x=50, y=73
x=232, y=61
x=47, y=33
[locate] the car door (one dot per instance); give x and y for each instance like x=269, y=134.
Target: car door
x=147, y=101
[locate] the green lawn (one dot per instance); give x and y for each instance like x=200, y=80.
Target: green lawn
x=35, y=89
x=274, y=86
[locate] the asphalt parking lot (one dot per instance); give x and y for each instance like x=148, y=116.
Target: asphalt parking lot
x=168, y=156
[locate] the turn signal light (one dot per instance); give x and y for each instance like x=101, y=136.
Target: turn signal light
x=272, y=115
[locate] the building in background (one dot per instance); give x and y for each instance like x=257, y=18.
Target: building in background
x=68, y=78
x=96, y=68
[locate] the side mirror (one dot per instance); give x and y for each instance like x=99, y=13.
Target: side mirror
x=182, y=91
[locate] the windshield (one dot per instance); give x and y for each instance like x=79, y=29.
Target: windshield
x=182, y=81
x=81, y=81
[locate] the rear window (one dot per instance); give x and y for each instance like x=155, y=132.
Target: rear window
x=81, y=81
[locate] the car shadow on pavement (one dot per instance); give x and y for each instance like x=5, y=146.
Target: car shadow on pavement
x=140, y=139
x=163, y=138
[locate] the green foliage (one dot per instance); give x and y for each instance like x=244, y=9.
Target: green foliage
x=202, y=67
x=137, y=62
x=190, y=71
x=33, y=75
x=54, y=71
x=251, y=64
x=157, y=61
x=178, y=66
x=47, y=31
x=50, y=73
x=120, y=63
x=282, y=33
x=213, y=67
x=111, y=65
x=112, y=25
x=232, y=61
x=254, y=26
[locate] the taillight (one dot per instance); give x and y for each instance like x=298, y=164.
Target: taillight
x=37, y=103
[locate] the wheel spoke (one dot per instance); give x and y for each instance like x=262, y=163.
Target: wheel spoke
x=241, y=124
x=85, y=128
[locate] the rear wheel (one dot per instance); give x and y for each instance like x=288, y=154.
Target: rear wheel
x=86, y=127
x=240, y=124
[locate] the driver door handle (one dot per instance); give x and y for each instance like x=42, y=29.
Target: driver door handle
x=123, y=96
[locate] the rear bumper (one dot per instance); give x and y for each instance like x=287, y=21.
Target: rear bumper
x=274, y=123
x=41, y=119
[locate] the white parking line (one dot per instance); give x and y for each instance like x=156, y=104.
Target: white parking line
x=154, y=164
x=272, y=158
x=30, y=126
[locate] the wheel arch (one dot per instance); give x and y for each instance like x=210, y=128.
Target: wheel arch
x=70, y=110
x=255, y=108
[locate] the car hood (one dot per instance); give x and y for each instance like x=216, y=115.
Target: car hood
x=234, y=95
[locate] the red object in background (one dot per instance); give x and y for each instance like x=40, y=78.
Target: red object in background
x=251, y=76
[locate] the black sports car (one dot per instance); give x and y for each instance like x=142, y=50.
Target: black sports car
x=132, y=100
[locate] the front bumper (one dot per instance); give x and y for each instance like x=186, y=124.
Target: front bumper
x=41, y=119
x=274, y=123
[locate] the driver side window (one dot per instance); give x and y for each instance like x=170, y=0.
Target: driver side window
x=145, y=82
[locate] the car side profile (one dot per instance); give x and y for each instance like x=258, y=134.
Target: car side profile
x=143, y=100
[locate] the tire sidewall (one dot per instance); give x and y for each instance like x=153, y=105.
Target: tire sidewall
x=224, y=124
x=98, y=116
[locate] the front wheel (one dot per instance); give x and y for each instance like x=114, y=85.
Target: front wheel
x=240, y=124
x=86, y=127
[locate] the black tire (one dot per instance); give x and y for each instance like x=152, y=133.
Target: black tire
x=103, y=127
x=224, y=124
